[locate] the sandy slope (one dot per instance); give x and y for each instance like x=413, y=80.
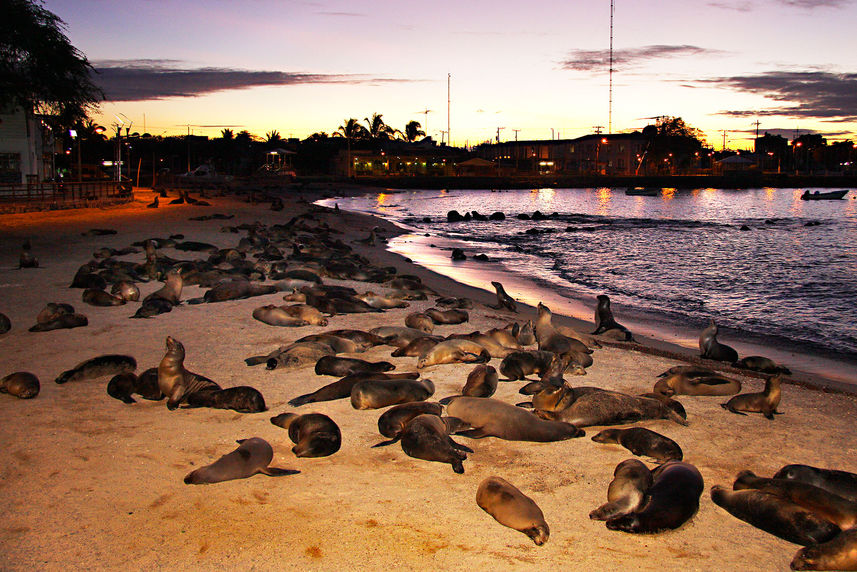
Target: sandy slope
x=89, y=482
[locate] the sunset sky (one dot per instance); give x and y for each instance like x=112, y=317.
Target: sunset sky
x=173, y=66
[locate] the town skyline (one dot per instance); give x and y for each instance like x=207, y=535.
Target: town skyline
x=171, y=68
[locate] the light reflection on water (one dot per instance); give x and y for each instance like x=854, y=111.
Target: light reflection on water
x=680, y=255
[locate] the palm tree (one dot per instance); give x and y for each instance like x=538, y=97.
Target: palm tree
x=413, y=131
x=351, y=130
x=378, y=130
x=227, y=134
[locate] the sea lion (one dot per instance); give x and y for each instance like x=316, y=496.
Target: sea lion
x=671, y=501
x=5, y=323
x=305, y=312
x=841, y=483
x=626, y=492
x=242, y=398
x=595, y=406
x=451, y=316
x=251, y=457
x=427, y=437
x=52, y=310
x=171, y=291
x=586, y=339
x=761, y=364
x=276, y=316
x=393, y=421
x=381, y=302
x=314, y=434
x=86, y=278
x=710, y=348
x=95, y=297
x=363, y=340
x=606, y=325
x=838, y=510
x=775, y=515
x=417, y=347
x=481, y=382
x=453, y=302
x=455, y=350
x=550, y=340
x=684, y=384
x=121, y=386
x=127, y=290
x=838, y=553
x=764, y=402
x=153, y=307
x=109, y=364
x=236, y=290
x=518, y=365
x=691, y=371
x=342, y=388
x=419, y=321
x=337, y=344
x=378, y=393
x=22, y=384
x=342, y=366
x=174, y=380
x=27, y=259
x=503, y=299
x=398, y=336
x=642, y=442
x=154, y=203
x=61, y=321
x=489, y=417
x=292, y=356
x=510, y=507
x=504, y=336
x=489, y=342
x=526, y=334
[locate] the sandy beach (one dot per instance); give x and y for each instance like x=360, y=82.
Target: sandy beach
x=89, y=482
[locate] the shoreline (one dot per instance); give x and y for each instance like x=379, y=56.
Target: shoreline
x=654, y=332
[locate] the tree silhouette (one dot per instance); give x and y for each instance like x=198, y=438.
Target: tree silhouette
x=227, y=134
x=378, y=130
x=40, y=71
x=351, y=130
x=273, y=137
x=413, y=131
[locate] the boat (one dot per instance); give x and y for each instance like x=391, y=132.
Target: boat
x=643, y=191
x=827, y=195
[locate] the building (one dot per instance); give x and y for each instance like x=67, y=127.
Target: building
x=22, y=148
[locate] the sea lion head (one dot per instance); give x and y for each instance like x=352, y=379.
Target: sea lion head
x=539, y=534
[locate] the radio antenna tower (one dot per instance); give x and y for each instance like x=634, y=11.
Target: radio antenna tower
x=610, y=105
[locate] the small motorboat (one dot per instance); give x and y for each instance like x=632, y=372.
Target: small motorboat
x=643, y=191
x=827, y=195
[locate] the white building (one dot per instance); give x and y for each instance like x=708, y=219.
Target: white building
x=21, y=148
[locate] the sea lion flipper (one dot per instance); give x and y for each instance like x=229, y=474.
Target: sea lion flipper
x=278, y=472
x=525, y=405
x=385, y=443
x=460, y=447
x=256, y=360
x=477, y=433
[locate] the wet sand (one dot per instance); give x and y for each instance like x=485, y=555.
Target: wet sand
x=90, y=482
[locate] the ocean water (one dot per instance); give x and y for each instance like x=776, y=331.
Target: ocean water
x=788, y=279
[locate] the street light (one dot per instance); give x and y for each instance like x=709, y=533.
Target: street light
x=597, y=152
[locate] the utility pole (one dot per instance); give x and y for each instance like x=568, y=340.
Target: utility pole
x=598, y=129
x=516, y=134
x=610, y=104
x=723, y=148
x=448, y=106
x=498, y=133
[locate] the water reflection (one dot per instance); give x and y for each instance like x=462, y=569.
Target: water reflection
x=604, y=196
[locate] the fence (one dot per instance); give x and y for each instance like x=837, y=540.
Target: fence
x=62, y=193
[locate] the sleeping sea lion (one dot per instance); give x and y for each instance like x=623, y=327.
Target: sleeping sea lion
x=481, y=382
x=276, y=316
x=838, y=482
x=427, y=437
x=838, y=553
x=708, y=384
x=642, y=442
x=109, y=364
x=242, y=398
x=377, y=393
x=419, y=321
x=417, y=347
x=489, y=417
x=342, y=366
x=626, y=492
x=761, y=364
x=451, y=316
x=128, y=291
x=251, y=457
x=455, y=350
x=96, y=297
x=510, y=507
x=314, y=434
x=595, y=406
x=342, y=388
x=21, y=384
x=393, y=421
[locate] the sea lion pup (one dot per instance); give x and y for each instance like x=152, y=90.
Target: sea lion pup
x=393, y=421
x=123, y=385
x=378, y=393
x=251, y=457
x=398, y=336
x=764, y=402
x=419, y=321
x=60, y=321
x=292, y=356
x=95, y=297
x=27, y=258
x=109, y=364
x=154, y=203
x=839, y=553
x=314, y=434
x=21, y=384
x=671, y=501
x=838, y=510
x=451, y=316
x=683, y=384
x=453, y=302
x=626, y=492
x=417, y=347
x=342, y=366
x=503, y=299
x=710, y=348
x=526, y=334
x=518, y=365
x=481, y=382
x=364, y=340
x=489, y=417
x=5, y=323
x=426, y=437
x=451, y=351
x=840, y=483
x=606, y=325
x=595, y=406
x=382, y=302
x=775, y=515
x=171, y=291
x=338, y=344
x=761, y=364
x=242, y=398
x=342, y=388
x=510, y=507
x=277, y=316
x=642, y=442
x=550, y=340
x=236, y=290
x=127, y=290
x=174, y=380
x=153, y=307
